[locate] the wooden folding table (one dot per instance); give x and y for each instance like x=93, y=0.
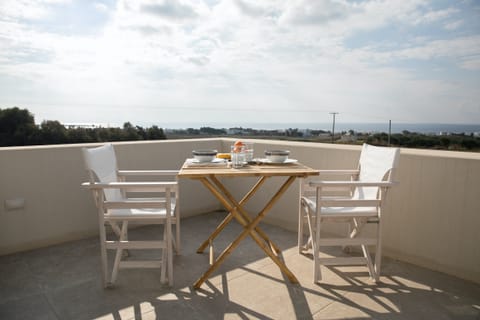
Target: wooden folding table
x=209, y=176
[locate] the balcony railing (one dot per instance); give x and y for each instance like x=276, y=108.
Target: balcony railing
x=432, y=218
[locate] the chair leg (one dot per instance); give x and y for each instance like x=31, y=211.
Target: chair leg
x=103, y=256
x=167, y=256
x=164, y=256
x=378, y=253
x=176, y=240
x=174, y=244
x=311, y=230
x=368, y=257
x=351, y=234
x=116, y=229
x=170, y=253
x=317, y=273
x=301, y=225
x=119, y=253
x=355, y=227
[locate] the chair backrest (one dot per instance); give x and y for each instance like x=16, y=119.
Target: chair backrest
x=376, y=164
x=101, y=163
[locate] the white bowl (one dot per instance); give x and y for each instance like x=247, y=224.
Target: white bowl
x=204, y=155
x=277, y=156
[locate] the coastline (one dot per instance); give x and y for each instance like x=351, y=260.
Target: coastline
x=424, y=128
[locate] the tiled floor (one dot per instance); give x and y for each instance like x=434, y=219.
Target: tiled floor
x=63, y=282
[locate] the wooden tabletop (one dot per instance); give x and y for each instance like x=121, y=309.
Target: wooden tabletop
x=289, y=169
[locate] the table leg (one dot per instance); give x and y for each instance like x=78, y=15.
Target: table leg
x=246, y=218
x=227, y=205
x=248, y=229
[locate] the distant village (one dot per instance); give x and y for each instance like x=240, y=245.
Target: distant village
x=347, y=136
x=294, y=133
x=440, y=140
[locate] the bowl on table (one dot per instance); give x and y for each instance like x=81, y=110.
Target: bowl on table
x=277, y=156
x=204, y=155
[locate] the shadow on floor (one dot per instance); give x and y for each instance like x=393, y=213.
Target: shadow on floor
x=63, y=282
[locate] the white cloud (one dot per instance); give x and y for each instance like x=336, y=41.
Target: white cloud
x=454, y=25
x=169, y=9
x=436, y=15
x=232, y=55
x=314, y=12
x=371, y=15
x=26, y=9
x=455, y=48
x=471, y=62
x=258, y=8
x=461, y=51
x=100, y=7
x=12, y=10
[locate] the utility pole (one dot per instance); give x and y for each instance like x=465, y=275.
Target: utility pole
x=389, y=131
x=333, y=126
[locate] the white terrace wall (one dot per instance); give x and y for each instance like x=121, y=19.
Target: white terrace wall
x=57, y=209
x=432, y=218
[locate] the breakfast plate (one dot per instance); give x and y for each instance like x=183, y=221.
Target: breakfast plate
x=215, y=163
x=215, y=160
x=268, y=161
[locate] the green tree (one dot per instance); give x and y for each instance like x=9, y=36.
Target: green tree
x=445, y=142
x=130, y=132
x=469, y=143
x=193, y=131
x=53, y=132
x=79, y=135
x=212, y=131
x=155, y=133
x=16, y=127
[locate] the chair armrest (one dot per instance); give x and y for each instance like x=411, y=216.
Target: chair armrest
x=148, y=172
x=135, y=204
x=339, y=172
x=133, y=186
x=346, y=202
x=321, y=183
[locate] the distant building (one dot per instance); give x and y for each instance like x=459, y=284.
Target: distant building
x=233, y=131
x=348, y=137
x=86, y=125
x=306, y=132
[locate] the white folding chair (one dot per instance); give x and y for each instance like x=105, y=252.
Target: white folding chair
x=117, y=209
x=356, y=201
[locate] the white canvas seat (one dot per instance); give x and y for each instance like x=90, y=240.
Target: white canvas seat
x=116, y=208
x=356, y=199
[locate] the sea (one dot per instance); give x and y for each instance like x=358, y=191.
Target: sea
x=424, y=128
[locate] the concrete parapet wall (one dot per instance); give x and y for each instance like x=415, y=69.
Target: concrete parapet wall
x=431, y=220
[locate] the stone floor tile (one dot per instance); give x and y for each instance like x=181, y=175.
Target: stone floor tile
x=64, y=282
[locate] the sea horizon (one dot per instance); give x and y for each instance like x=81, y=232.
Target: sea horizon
x=425, y=128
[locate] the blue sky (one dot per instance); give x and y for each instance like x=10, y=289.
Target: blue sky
x=241, y=61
